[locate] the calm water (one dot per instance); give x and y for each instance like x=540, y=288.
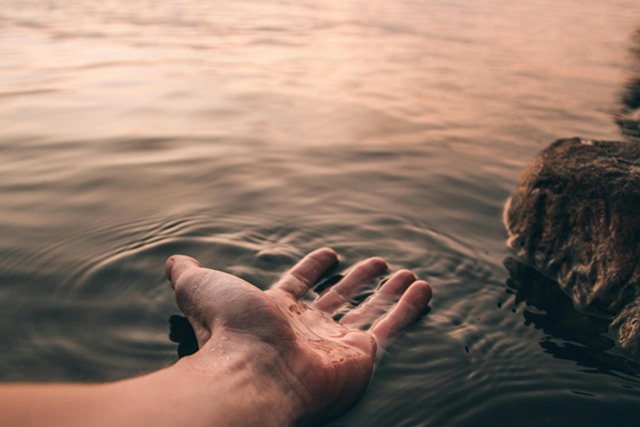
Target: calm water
x=246, y=133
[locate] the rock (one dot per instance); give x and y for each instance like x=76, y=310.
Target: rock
x=575, y=215
x=628, y=115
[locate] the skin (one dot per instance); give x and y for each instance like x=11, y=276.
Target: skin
x=265, y=357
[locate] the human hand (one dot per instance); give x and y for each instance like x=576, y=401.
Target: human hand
x=322, y=364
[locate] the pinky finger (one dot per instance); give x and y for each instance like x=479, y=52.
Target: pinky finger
x=410, y=307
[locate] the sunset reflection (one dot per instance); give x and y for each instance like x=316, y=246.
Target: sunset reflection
x=247, y=133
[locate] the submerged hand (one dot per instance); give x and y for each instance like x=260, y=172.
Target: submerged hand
x=322, y=364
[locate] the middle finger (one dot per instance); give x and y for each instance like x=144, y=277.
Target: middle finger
x=342, y=292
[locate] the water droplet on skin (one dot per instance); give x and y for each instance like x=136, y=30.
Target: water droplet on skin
x=295, y=308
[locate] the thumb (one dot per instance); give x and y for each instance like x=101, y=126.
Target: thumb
x=177, y=265
x=186, y=275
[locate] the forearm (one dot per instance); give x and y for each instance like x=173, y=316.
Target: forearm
x=193, y=392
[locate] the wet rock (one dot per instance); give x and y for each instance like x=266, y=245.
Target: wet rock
x=628, y=115
x=575, y=215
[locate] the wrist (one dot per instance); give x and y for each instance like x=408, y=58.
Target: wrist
x=247, y=379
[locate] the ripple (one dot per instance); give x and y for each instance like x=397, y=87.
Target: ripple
x=124, y=297
x=249, y=133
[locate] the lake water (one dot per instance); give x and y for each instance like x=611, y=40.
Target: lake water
x=246, y=133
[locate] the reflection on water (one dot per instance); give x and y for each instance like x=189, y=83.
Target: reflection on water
x=181, y=333
x=552, y=311
x=246, y=133
x=570, y=334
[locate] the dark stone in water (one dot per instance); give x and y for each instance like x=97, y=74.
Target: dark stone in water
x=575, y=215
x=628, y=115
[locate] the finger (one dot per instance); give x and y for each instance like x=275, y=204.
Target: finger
x=342, y=292
x=185, y=274
x=380, y=301
x=411, y=305
x=177, y=265
x=306, y=272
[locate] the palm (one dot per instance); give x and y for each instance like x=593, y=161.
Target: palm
x=333, y=360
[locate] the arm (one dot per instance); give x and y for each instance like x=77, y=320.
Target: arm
x=192, y=392
x=264, y=358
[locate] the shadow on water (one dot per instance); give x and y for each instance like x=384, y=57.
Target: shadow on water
x=571, y=334
x=628, y=117
x=181, y=332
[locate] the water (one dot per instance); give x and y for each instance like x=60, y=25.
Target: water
x=246, y=133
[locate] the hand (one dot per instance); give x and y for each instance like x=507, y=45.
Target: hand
x=324, y=365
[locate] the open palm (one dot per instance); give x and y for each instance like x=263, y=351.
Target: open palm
x=327, y=363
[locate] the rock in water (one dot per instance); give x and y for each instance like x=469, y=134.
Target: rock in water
x=575, y=215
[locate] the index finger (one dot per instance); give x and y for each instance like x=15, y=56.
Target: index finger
x=306, y=272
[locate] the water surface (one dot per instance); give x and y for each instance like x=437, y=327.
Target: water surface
x=246, y=133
